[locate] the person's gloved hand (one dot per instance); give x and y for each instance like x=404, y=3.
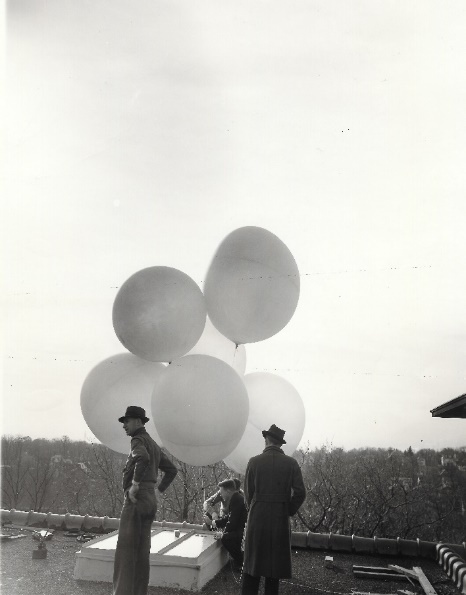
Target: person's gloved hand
x=133, y=490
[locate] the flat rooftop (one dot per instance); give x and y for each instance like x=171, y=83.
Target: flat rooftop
x=21, y=575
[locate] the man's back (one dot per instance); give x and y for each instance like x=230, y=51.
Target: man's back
x=271, y=476
x=274, y=491
x=145, y=460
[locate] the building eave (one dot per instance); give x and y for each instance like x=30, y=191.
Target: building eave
x=454, y=408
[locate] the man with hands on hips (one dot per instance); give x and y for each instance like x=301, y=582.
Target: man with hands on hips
x=131, y=568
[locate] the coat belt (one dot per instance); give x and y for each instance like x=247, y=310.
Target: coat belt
x=147, y=485
x=270, y=498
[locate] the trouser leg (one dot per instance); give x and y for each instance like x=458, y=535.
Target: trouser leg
x=232, y=544
x=271, y=586
x=126, y=550
x=131, y=569
x=148, y=507
x=142, y=562
x=250, y=584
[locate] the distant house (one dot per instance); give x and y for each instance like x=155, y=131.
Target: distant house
x=56, y=459
x=422, y=466
x=83, y=467
x=448, y=461
x=406, y=482
x=446, y=481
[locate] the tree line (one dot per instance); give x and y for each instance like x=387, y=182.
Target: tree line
x=366, y=492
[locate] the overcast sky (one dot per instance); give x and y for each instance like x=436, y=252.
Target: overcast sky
x=142, y=133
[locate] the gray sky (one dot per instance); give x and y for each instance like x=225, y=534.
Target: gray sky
x=141, y=134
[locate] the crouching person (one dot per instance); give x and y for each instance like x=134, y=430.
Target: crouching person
x=208, y=507
x=230, y=528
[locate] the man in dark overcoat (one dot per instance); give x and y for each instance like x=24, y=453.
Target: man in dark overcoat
x=274, y=491
x=131, y=568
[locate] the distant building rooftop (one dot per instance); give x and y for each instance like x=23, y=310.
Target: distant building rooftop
x=454, y=408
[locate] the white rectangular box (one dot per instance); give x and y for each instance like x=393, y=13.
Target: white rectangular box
x=181, y=559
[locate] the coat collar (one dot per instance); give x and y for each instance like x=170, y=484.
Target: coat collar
x=141, y=430
x=274, y=448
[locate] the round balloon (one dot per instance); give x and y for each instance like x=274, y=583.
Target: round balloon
x=109, y=388
x=159, y=313
x=212, y=342
x=272, y=400
x=200, y=408
x=251, y=286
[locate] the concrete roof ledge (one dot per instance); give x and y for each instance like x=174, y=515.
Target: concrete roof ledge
x=322, y=541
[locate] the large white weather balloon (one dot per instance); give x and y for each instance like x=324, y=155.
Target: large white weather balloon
x=159, y=313
x=200, y=408
x=212, y=342
x=109, y=388
x=251, y=286
x=272, y=400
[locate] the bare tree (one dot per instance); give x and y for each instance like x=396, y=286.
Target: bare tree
x=367, y=492
x=184, y=498
x=39, y=478
x=106, y=471
x=15, y=467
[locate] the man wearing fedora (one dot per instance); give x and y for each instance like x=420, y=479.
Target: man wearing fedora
x=131, y=568
x=274, y=491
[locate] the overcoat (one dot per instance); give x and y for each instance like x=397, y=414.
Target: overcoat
x=274, y=491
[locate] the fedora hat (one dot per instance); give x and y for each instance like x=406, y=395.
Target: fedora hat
x=134, y=411
x=275, y=432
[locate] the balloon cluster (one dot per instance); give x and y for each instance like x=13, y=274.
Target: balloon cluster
x=161, y=317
